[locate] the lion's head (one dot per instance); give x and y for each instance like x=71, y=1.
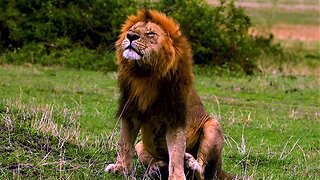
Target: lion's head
x=152, y=42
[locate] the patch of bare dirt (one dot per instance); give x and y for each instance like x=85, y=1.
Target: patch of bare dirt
x=290, y=32
x=297, y=32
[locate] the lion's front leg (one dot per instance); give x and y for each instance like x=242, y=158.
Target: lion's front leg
x=176, y=142
x=128, y=133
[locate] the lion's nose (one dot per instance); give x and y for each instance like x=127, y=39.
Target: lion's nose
x=132, y=36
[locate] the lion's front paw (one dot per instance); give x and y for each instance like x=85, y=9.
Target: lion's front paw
x=193, y=165
x=117, y=169
x=154, y=170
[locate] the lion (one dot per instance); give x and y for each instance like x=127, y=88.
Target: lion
x=158, y=99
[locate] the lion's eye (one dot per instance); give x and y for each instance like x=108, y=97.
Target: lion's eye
x=151, y=34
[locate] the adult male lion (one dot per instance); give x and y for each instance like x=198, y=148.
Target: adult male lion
x=158, y=98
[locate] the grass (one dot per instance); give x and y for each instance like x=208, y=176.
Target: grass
x=299, y=58
x=268, y=17
x=60, y=123
x=54, y=123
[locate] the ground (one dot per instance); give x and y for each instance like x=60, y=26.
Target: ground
x=60, y=123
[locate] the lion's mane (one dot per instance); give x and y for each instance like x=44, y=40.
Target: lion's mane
x=170, y=76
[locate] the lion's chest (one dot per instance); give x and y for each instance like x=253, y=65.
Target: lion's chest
x=143, y=92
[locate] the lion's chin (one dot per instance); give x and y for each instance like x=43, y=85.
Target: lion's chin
x=131, y=55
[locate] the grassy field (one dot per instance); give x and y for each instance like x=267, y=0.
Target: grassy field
x=269, y=17
x=60, y=123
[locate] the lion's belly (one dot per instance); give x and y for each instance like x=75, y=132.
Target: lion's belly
x=154, y=140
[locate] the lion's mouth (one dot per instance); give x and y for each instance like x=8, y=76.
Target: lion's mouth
x=132, y=53
x=134, y=49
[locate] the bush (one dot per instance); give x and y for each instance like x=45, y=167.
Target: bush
x=87, y=22
x=55, y=28
x=218, y=35
x=72, y=33
x=74, y=57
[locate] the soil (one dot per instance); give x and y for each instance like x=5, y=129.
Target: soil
x=297, y=32
x=289, y=32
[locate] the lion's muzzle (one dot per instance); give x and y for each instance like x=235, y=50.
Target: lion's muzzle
x=131, y=51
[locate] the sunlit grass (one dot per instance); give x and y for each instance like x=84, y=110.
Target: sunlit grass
x=60, y=123
x=269, y=17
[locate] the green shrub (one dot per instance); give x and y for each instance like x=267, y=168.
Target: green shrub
x=86, y=22
x=70, y=33
x=218, y=35
x=40, y=31
x=72, y=57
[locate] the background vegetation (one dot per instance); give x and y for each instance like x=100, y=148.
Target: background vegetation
x=59, y=32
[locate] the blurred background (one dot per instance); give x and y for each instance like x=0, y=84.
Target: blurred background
x=270, y=36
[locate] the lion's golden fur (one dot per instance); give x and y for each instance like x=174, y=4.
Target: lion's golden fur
x=158, y=98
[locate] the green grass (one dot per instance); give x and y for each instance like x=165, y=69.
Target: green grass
x=268, y=17
x=60, y=123
x=50, y=116
x=298, y=58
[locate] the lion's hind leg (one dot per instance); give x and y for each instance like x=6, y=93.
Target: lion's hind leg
x=156, y=168
x=209, y=151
